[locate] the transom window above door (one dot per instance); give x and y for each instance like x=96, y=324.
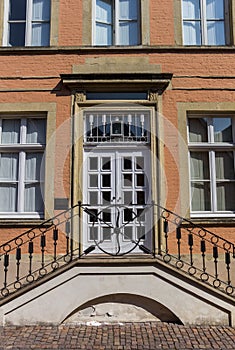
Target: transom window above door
x=116, y=22
x=205, y=22
x=212, y=165
x=116, y=126
x=27, y=23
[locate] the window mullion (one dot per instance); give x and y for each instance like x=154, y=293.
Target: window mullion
x=203, y=22
x=28, y=28
x=116, y=21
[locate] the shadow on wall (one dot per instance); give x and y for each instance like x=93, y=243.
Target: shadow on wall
x=122, y=308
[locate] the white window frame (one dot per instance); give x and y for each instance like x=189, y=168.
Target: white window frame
x=210, y=147
x=28, y=23
x=22, y=148
x=115, y=23
x=203, y=21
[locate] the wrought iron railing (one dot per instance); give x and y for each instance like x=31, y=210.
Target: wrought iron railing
x=197, y=251
x=185, y=246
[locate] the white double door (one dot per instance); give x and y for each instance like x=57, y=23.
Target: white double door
x=117, y=191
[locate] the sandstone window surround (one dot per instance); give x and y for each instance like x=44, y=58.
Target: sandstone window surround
x=211, y=165
x=206, y=22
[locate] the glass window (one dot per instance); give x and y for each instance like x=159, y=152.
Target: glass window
x=204, y=22
x=212, y=171
x=28, y=22
x=117, y=22
x=22, y=169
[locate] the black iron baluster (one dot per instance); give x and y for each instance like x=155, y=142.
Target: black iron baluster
x=190, y=243
x=215, y=256
x=228, y=262
x=43, y=244
x=178, y=237
x=30, y=251
x=166, y=230
x=6, y=264
x=55, y=239
x=18, y=258
x=67, y=231
x=203, y=250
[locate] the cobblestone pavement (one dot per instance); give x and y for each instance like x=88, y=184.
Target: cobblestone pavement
x=128, y=336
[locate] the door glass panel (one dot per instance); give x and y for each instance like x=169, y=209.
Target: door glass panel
x=140, y=214
x=93, y=233
x=93, y=198
x=128, y=215
x=93, y=215
x=106, y=233
x=93, y=163
x=128, y=233
x=93, y=180
x=140, y=197
x=106, y=180
x=139, y=162
x=140, y=179
x=127, y=164
x=127, y=180
x=106, y=164
x=107, y=216
x=140, y=232
x=106, y=197
x=128, y=197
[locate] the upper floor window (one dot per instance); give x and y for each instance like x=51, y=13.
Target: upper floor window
x=117, y=22
x=22, y=145
x=212, y=165
x=204, y=22
x=27, y=23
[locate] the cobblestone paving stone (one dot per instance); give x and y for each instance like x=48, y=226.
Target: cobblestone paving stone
x=127, y=336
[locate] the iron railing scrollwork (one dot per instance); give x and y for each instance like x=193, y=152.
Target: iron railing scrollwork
x=187, y=247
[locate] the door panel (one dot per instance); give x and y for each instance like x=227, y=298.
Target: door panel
x=117, y=188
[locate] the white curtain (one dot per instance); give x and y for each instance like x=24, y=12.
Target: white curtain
x=215, y=9
x=33, y=201
x=36, y=131
x=41, y=25
x=191, y=9
x=198, y=130
x=10, y=131
x=103, y=30
x=128, y=9
x=200, y=186
x=215, y=33
x=128, y=22
x=192, y=33
x=8, y=181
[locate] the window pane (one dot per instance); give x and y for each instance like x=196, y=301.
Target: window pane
x=200, y=193
x=8, y=197
x=127, y=163
x=106, y=197
x=36, y=131
x=226, y=196
x=103, y=34
x=106, y=180
x=93, y=198
x=106, y=234
x=197, y=130
x=34, y=169
x=33, y=199
x=223, y=129
x=128, y=33
x=10, y=131
x=128, y=197
x=224, y=163
x=128, y=234
x=106, y=164
x=93, y=233
x=104, y=11
x=8, y=166
x=41, y=10
x=127, y=180
x=17, y=34
x=128, y=9
x=17, y=10
x=140, y=179
x=214, y=9
x=93, y=163
x=191, y=9
x=192, y=33
x=199, y=165
x=93, y=180
x=215, y=33
x=40, y=34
